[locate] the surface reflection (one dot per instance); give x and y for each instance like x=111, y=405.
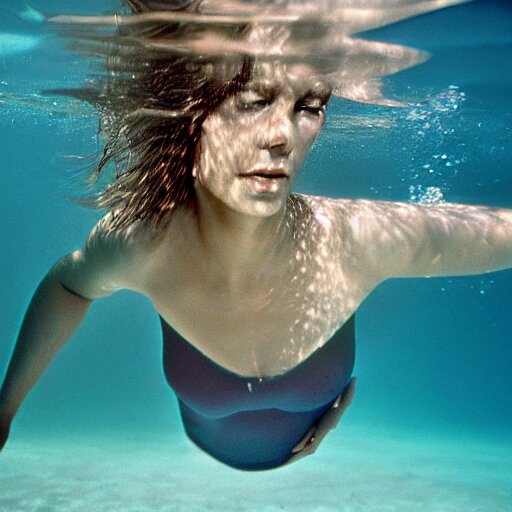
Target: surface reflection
x=321, y=34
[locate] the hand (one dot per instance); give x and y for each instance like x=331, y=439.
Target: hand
x=5, y=427
x=311, y=441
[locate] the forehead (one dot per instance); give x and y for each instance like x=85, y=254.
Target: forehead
x=297, y=79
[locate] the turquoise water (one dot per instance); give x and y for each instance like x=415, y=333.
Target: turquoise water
x=431, y=426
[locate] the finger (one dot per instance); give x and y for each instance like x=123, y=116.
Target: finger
x=333, y=415
x=305, y=440
x=309, y=449
x=314, y=436
x=295, y=457
x=346, y=397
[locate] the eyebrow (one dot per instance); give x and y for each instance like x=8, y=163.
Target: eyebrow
x=261, y=87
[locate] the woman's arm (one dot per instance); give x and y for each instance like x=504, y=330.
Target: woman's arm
x=56, y=310
x=52, y=316
x=409, y=240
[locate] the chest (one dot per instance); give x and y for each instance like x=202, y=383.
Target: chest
x=307, y=386
x=266, y=327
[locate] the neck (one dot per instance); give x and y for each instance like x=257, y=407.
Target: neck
x=239, y=248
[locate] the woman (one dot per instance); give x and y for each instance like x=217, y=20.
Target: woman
x=256, y=287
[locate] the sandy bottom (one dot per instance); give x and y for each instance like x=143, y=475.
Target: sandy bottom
x=353, y=471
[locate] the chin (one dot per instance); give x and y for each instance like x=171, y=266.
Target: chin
x=263, y=207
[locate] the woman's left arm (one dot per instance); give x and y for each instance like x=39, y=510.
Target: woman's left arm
x=411, y=240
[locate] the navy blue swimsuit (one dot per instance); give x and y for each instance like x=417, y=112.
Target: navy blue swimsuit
x=251, y=422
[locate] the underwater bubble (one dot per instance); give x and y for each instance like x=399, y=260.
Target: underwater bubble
x=429, y=196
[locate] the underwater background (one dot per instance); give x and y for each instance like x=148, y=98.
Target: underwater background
x=430, y=428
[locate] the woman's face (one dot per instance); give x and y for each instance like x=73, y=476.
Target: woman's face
x=253, y=145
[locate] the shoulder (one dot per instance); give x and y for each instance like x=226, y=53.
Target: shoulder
x=329, y=224
x=336, y=208
x=110, y=259
x=108, y=240
x=383, y=237
x=365, y=217
x=338, y=214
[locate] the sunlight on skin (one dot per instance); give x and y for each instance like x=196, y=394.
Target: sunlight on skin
x=436, y=240
x=268, y=129
x=275, y=119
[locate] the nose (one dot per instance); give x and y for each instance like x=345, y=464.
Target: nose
x=277, y=135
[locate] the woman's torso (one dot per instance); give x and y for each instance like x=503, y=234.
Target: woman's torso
x=268, y=325
x=255, y=366
x=254, y=422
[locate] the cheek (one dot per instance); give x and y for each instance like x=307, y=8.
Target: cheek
x=211, y=147
x=316, y=128
x=310, y=128
x=228, y=147
x=221, y=155
x=309, y=131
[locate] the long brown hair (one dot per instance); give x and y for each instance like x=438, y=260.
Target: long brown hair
x=151, y=106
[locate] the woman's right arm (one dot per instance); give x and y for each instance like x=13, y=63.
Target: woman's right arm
x=51, y=318
x=56, y=310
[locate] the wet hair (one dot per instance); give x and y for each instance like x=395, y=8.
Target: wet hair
x=151, y=105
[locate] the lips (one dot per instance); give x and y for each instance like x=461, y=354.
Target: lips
x=265, y=173
x=265, y=181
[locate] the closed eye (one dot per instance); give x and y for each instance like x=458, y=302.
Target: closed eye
x=314, y=108
x=312, y=103
x=251, y=106
x=310, y=109
x=251, y=100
